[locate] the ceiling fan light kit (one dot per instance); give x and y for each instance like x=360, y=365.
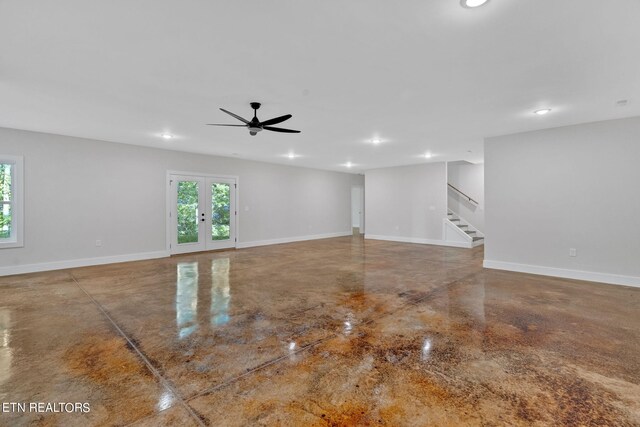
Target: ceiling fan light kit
x=254, y=125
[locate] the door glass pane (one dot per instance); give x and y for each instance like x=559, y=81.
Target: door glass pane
x=187, y=212
x=220, y=211
x=5, y=220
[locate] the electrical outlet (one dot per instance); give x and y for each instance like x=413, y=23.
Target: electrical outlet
x=572, y=251
x=98, y=243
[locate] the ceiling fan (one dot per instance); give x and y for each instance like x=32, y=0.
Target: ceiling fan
x=256, y=125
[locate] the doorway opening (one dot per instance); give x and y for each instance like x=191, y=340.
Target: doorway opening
x=357, y=209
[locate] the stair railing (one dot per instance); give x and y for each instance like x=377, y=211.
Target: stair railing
x=461, y=193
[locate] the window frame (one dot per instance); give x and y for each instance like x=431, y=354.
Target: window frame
x=16, y=240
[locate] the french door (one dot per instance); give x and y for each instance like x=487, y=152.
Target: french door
x=202, y=213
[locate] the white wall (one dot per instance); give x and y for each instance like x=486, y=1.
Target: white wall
x=468, y=178
x=80, y=190
x=570, y=187
x=406, y=203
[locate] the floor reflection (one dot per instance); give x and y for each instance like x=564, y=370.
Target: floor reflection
x=427, y=345
x=348, y=324
x=467, y=301
x=5, y=350
x=462, y=303
x=220, y=295
x=187, y=296
x=292, y=348
x=165, y=401
x=187, y=299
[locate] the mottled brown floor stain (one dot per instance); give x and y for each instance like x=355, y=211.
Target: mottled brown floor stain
x=336, y=332
x=100, y=358
x=112, y=369
x=356, y=300
x=575, y=402
x=348, y=414
x=359, y=301
x=431, y=389
x=555, y=395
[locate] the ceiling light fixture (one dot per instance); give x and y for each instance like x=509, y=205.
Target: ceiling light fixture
x=291, y=155
x=473, y=3
x=348, y=164
x=166, y=136
x=542, y=112
x=376, y=141
x=428, y=155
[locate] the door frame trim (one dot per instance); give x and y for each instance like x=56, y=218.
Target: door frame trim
x=167, y=219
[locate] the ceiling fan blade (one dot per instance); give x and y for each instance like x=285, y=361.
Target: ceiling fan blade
x=236, y=116
x=276, y=120
x=216, y=124
x=280, y=129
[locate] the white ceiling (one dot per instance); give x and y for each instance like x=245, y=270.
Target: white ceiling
x=423, y=75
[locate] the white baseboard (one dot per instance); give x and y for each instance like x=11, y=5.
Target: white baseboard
x=82, y=262
x=85, y=262
x=417, y=240
x=459, y=244
x=589, y=276
x=255, y=243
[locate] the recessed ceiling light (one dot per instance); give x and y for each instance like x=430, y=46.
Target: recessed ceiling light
x=166, y=136
x=473, y=3
x=348, y=164
x=376, y=141
x=428, y=155
x=291, y=155
x=542, y=112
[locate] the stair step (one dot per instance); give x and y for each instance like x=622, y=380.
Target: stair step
x=469, y=232
x=462, y=226
x=475, y=238
x=454, y=219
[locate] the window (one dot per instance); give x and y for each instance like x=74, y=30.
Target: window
x=11, y=196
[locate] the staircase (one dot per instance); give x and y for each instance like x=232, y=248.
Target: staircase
x=457, y=229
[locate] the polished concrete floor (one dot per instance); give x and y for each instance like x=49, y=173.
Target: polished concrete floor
x=331, y=332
